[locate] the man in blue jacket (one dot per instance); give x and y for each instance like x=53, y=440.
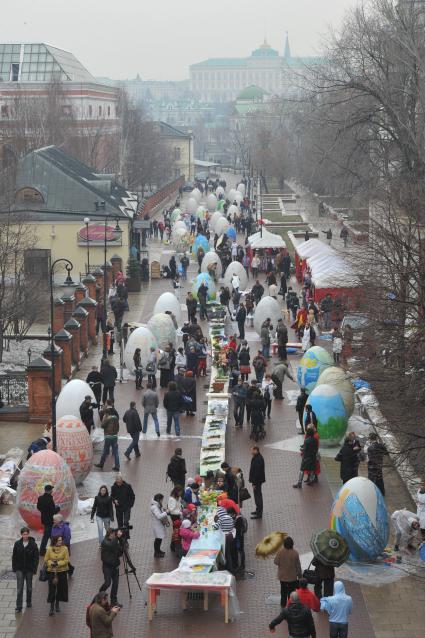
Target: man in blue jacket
x=339, y=607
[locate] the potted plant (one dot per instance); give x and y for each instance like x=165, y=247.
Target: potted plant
x=134, y=280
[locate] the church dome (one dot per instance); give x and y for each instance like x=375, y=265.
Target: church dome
x=265, y=51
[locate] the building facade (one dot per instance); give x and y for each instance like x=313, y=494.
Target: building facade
x=36, y=79
x=180, y=145
x=222, y=79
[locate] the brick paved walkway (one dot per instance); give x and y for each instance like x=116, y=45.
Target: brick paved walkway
x=377, y=612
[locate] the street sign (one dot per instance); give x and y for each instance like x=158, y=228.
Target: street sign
x=139, y=224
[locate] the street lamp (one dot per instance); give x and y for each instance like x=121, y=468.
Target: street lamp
x=105, y=279
x=87, y=221
x=68, y=285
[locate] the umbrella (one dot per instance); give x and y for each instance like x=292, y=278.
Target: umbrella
x=270, y=544
x=329, y=547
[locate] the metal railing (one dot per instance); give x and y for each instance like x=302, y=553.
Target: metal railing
x=14, y=389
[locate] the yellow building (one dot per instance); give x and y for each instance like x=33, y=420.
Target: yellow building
x=180, y=145
x=69, y=206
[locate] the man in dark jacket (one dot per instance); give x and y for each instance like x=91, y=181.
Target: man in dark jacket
x=349, y=458
x=111, y=550
x=191, y=305
x=123, y=498
x=299, y=618
x=109, y=376
x=133, y=424
x=257, y=291
x=301, y=401
x=375, y=455
x=257, y=476
x=86, y=412
x=240, y=319
x=186, y=384
x=202, y=297
x=94, y=379
x=173, y=404
x=230, y=485
x=111, y=426
x=24, y=564
x=282, y=339
x=46, y=506
x=176, y=470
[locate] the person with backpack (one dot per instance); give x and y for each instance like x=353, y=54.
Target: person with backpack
x=176, y=469
x=151, y=367
x=268, y=387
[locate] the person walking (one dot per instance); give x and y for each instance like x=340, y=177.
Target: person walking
x=24, y=564
x=86, y=412
x=100, y=616
x=57, y=564
x=259, y=364
x=309, y=455
x=265, y=338
x=104, y=511
x=349, y=457
x=289, y=570
x=94, y=379
x=173, y=404
x=151, y=368
x=257, y=476
x=176, y=469
x=123, y=498
x=186, y=384
x=240, y=320
x=299, y=408
x=299, y=618
x=307, y=597
x=338, y=607
x=109, y=376
x=133, y=424
x=110, y=425
x=164, y=364
x=63, y=529
x=138, y=368
x=282, y=339
x=239, y=394
x=268, y=388
x=150, y=403
x=244, y=358
x=202, y=298
x=375, y=455
x=159, y=518
x=47, y=508
x=110, y=553
x=325, y=576
x=326, y=308
x=191, y=305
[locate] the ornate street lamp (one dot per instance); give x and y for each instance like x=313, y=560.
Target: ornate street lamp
x=87, y=221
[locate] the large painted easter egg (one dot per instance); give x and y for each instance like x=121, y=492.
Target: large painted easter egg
x=203, y=277
x=214, y=219
x=232, y=211
x=196, y=194
x=168, y=301
x=140, y=338
x=162, y=328
x=211, y=202
x=220, y=204
x=191, y=205
x=241, y=188
x=209, y=260
x=312, y=363
x=232, y=194
x=44, y=468
x=231, y=232
x=71, y=397
x=221, y=226
x=268, y=307
x=200, y=242
x=175, y=215
x=236, y=268
x=339, y=379
x=75, y=446
x=219, y=191
x=200, y=212
x=360, y=515
x=330, y=411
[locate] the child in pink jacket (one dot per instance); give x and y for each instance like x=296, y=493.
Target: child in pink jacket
x=187, y=534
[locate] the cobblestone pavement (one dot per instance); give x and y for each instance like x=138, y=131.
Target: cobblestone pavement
x=386, y=612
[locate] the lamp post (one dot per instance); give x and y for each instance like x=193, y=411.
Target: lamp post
x=68, y=284
x=87, y=221
x=105, y=278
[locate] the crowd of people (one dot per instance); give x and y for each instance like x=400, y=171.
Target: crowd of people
x=256, y=383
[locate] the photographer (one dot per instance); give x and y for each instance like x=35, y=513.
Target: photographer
x=111, y=550
x=100, y=616
x=123, y=498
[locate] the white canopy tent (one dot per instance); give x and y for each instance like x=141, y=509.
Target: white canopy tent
x=266, y=239
x=313, y=247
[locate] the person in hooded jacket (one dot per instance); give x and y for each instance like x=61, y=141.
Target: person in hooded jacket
x=338, y=607
x=406, y=527
x=299, y=618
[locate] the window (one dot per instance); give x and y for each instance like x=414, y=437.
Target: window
x=67, y=110
x=4, y=110
x=14, y=72
x=90, y=110
x=109, y=111
x=177, y=153
x=100, y=111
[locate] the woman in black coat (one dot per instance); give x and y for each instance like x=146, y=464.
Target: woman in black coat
x=244, y=362
x=257, y=413
x=349, y=458
x=309, y=456
x=102, y=507
x=187, y=385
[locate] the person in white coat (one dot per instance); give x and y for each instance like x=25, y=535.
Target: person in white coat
x=406, y=527
x=160, y=521
x=420, y=510
x=235, y=282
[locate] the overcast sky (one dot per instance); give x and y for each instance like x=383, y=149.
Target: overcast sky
x=160, y=38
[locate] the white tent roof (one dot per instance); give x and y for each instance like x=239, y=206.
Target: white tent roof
x=335, y=279
x=268, y=240
x=313, y=247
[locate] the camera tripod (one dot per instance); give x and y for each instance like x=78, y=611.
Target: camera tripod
x=129, y=569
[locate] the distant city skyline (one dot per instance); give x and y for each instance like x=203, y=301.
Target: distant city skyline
x=160, y=39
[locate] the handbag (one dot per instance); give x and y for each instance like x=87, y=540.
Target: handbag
x=150, y=367
x=43, y=575
x=244, y=494
x=310, y=575
x=186, y=398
